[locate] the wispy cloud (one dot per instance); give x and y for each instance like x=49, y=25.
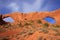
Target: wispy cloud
x=36, y=6
x=28, y=5
x=14, y=7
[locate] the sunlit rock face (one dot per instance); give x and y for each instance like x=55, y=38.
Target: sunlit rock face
x=31, y=26
x=35, y=15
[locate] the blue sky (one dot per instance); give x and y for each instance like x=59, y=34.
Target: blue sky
x=50, y=20
x=9, y=19
x=8, y=6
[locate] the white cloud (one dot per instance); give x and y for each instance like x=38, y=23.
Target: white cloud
x=33, y=7
x=14, y=7
x=27, y=7
x=38, y=4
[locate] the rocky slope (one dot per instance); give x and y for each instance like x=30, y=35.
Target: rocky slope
x=31, y=26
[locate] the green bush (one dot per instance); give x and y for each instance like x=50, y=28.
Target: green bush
x=7, y=25
x=2, y=30
x=57, y=26
x=40, y=38
x=57, y=34
x=27, y=23
x=30, y=32
x=45, y=25
x=19, y=24
x=39, y=21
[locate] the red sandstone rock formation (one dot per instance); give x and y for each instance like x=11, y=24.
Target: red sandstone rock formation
x=31, y=26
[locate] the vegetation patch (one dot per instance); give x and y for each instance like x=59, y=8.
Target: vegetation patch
x=44, y=30
x=57, y=34
x=40, y=38
x=19, y=24
x=27, y=23
x=45, y=25
x=39, y=21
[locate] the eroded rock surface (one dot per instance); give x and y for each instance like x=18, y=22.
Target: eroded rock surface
x=31, y=26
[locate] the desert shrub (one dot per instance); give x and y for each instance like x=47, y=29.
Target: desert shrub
x=54, y=28
x=2, y=30
x=31, y=21
x=23, y=32
x=39, y=21
x=7, y=25
x=30, y=32
x=27, y=23
x=43, y=30
x=57, y=34
x=5, y=38
x=19, y=24
x=57, y=26
x=40, y=38
x=45, y=25
x=44, y=39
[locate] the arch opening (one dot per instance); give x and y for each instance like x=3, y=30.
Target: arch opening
x=8, y=19
x=50, y=20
